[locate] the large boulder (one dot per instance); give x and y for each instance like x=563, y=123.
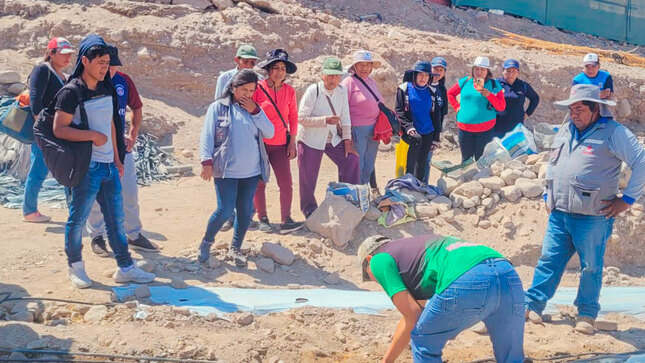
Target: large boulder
x=427, y=211
x=277, y=253
x=9, y=77
x=469, y=189
x=336, y=219
x=443, y=203
x=493, y=183
x=497, y=167
x=512, y=193
x=510, y=176
x=447, y=185
x=530, y=188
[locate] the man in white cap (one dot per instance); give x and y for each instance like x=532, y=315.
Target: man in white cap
x=443, y=286
x=582, y=198
x=591, y=74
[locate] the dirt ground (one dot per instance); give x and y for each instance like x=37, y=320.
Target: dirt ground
x=174, y=216
x=174, y=54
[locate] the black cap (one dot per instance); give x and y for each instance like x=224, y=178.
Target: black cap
x=114, y=56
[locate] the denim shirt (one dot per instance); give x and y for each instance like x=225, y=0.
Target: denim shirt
x=232, y=139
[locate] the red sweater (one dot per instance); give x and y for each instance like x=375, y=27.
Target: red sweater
x=285, y=98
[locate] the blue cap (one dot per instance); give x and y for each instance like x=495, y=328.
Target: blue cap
x=423, y=66
x=511, y=63
x=439, y=61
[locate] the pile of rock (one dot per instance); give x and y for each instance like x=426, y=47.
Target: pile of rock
x=474, y=190
x=10, y=83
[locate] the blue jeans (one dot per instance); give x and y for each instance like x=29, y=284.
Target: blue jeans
x=95, y=223
x=101, y=184
x=367, y=149
x=491, y=292
x=233, y=194
x=37, y=173
x=566, y=234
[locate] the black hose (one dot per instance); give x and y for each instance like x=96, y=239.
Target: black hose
x=27, y=298
x=99, y=355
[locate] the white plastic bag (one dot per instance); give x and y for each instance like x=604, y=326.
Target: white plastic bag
x=494, y=151
x=544, y=134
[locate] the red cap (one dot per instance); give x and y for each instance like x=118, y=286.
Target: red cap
x=60, y=43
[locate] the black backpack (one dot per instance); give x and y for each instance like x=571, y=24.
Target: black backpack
x=68, y=161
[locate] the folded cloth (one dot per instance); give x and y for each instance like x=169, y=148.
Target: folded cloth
x=408, y=181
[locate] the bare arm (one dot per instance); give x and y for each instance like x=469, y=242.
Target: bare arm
x=411, y=310
x=63, y=130
x=131, y=137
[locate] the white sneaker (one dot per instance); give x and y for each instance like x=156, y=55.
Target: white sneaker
x=135, y=274
x=78, y=277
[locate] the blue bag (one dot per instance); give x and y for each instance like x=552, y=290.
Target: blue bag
x=16, y=121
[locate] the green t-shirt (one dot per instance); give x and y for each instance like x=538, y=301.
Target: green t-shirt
x=425, y=265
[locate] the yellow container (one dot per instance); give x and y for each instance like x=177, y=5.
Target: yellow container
x=401, y=158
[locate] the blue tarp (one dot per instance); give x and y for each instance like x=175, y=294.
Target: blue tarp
x=206, y=300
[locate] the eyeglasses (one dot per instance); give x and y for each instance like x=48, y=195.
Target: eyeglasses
x=366, y=275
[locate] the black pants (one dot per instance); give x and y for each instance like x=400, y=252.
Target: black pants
x=473, y=143
x=373, y=179
x=417, y=161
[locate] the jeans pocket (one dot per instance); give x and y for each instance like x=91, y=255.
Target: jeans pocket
x=583, y=196
x=517, y=293
x=472, y=295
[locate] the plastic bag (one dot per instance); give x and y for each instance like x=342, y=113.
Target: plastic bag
x=401, y=158
x=519, y=141
x=358, y=195
x=544, y=134
x=494, y=151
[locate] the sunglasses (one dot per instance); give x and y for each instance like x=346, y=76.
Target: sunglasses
x=366, y=275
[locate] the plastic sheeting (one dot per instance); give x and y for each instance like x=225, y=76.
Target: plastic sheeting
x=12, y=192
x=206, y=300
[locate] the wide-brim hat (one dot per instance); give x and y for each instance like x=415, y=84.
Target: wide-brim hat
x=583, y=92
x=364, y=56
x=278, y=55
x=586, y=92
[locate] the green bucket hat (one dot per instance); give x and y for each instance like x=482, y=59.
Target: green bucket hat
x=247, y=51
x=332, y=66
